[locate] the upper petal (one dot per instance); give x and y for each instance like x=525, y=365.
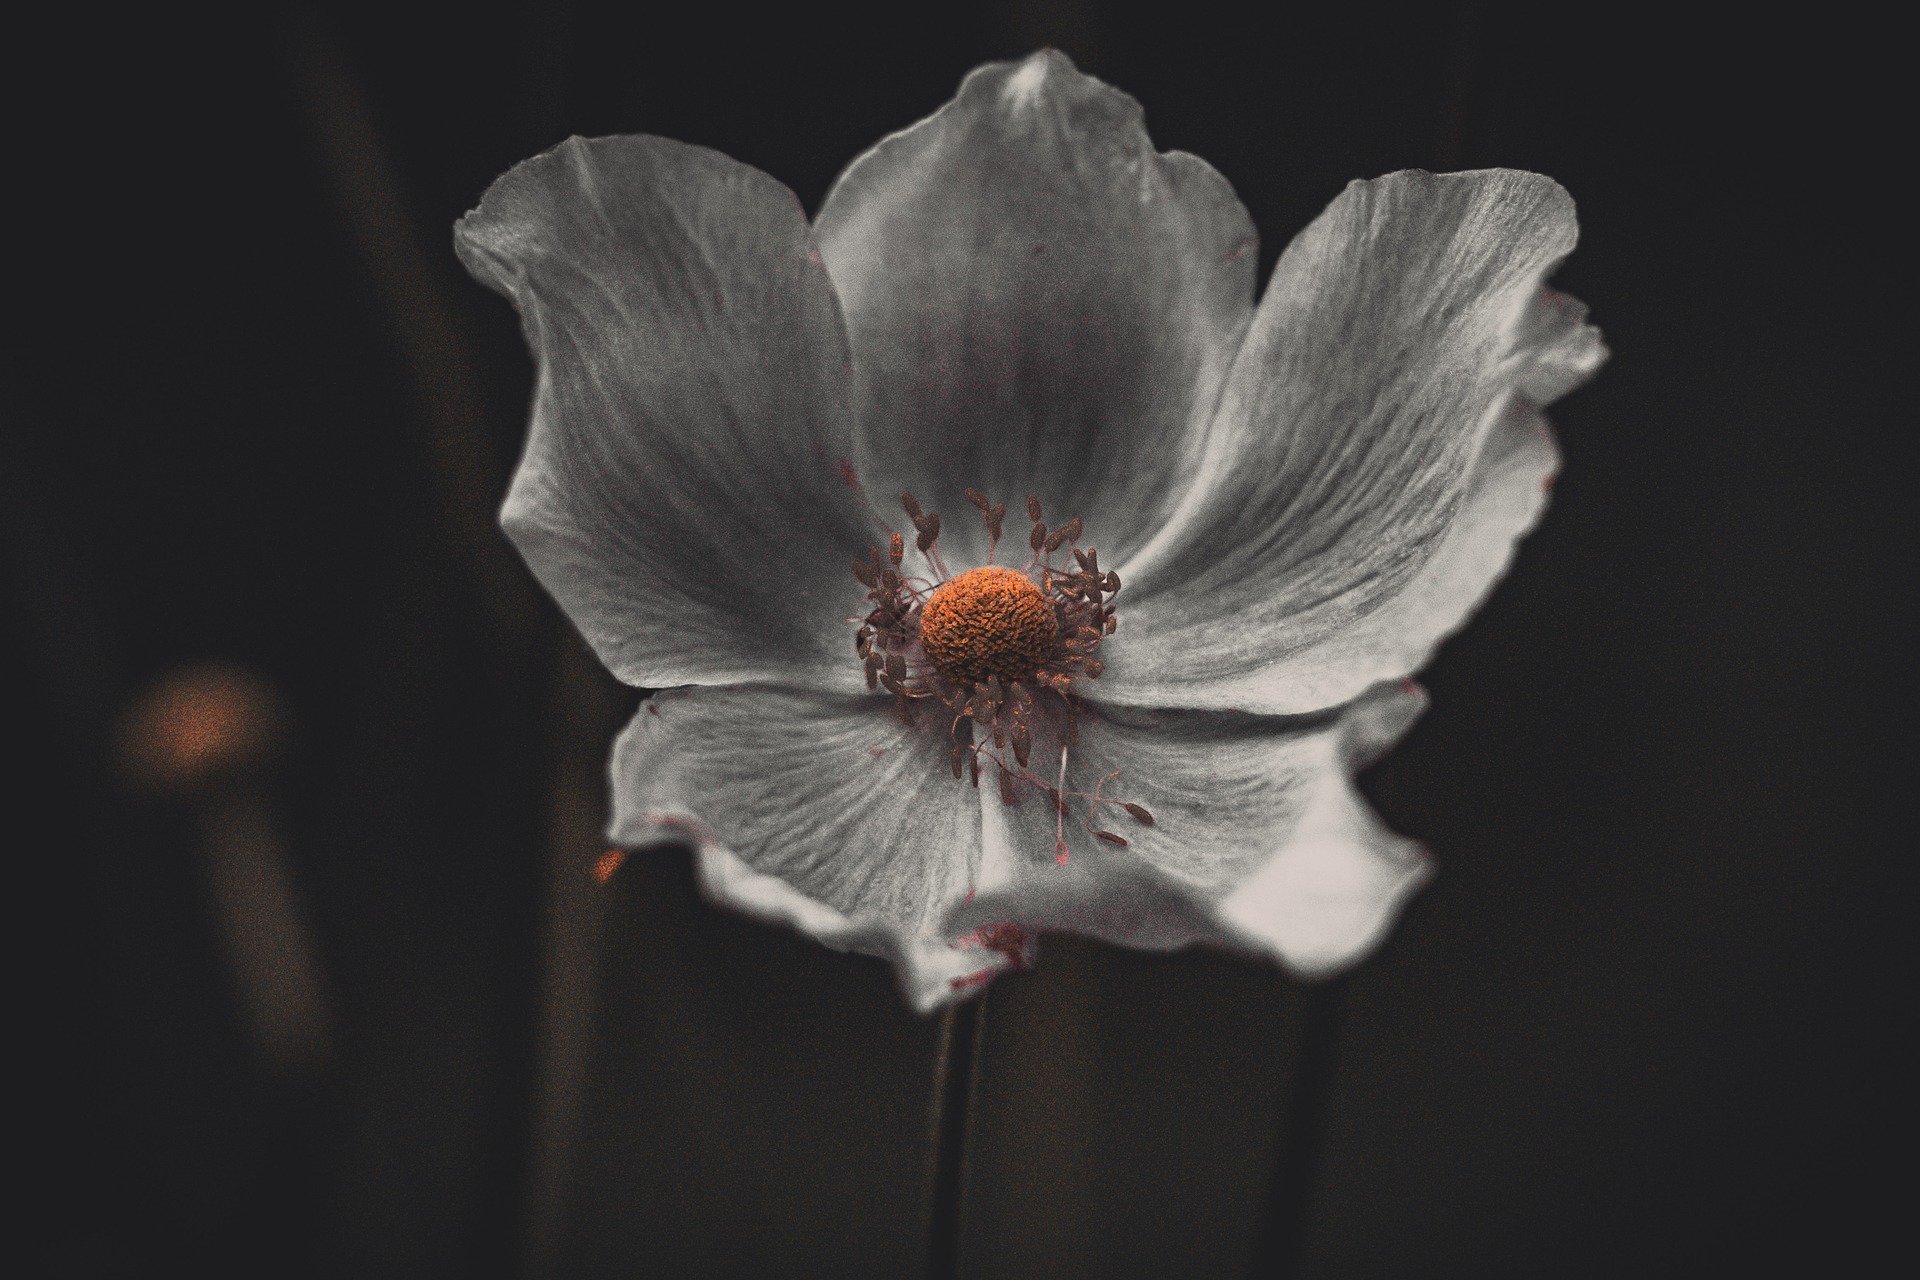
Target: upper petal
x=1376, y=451
x=1039, y=303
x=684, y=492
x=1258, y=839
x=817, y=811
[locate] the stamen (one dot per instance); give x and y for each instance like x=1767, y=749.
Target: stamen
x=929, y=527
x=992, y=644
x=1059, y=804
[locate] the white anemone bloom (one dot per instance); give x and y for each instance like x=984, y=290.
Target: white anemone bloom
x=970, y=738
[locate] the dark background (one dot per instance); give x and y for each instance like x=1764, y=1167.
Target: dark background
x=1647, y=1021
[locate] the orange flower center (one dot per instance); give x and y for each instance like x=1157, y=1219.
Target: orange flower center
x=990, y=621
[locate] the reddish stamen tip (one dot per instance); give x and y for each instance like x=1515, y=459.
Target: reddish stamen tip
x=607, y=863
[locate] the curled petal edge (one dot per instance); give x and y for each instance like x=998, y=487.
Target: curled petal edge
x=931, y=973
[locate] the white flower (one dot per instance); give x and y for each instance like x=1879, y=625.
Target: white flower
x=1020, y=296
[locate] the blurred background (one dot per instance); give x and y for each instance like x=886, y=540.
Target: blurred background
x=325, y=983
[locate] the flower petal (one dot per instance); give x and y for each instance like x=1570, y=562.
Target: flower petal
x=685, y=490
x=1039, y=303
x=820, y=812
x=1376, y=454
x=1258, y=839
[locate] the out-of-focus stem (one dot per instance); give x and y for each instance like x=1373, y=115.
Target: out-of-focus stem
x=584, y=713
x=269, y=945
x=422, y=317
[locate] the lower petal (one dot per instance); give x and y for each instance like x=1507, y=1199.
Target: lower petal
x=932, y=971
x=820, y=812
x=1254, y=837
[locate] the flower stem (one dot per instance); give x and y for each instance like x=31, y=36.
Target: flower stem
x=1281, y=1239
x=955, y=1075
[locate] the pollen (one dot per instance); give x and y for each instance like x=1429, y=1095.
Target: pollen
x=988, y=622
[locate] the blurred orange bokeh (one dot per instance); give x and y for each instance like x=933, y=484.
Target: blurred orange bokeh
x=197, y=723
